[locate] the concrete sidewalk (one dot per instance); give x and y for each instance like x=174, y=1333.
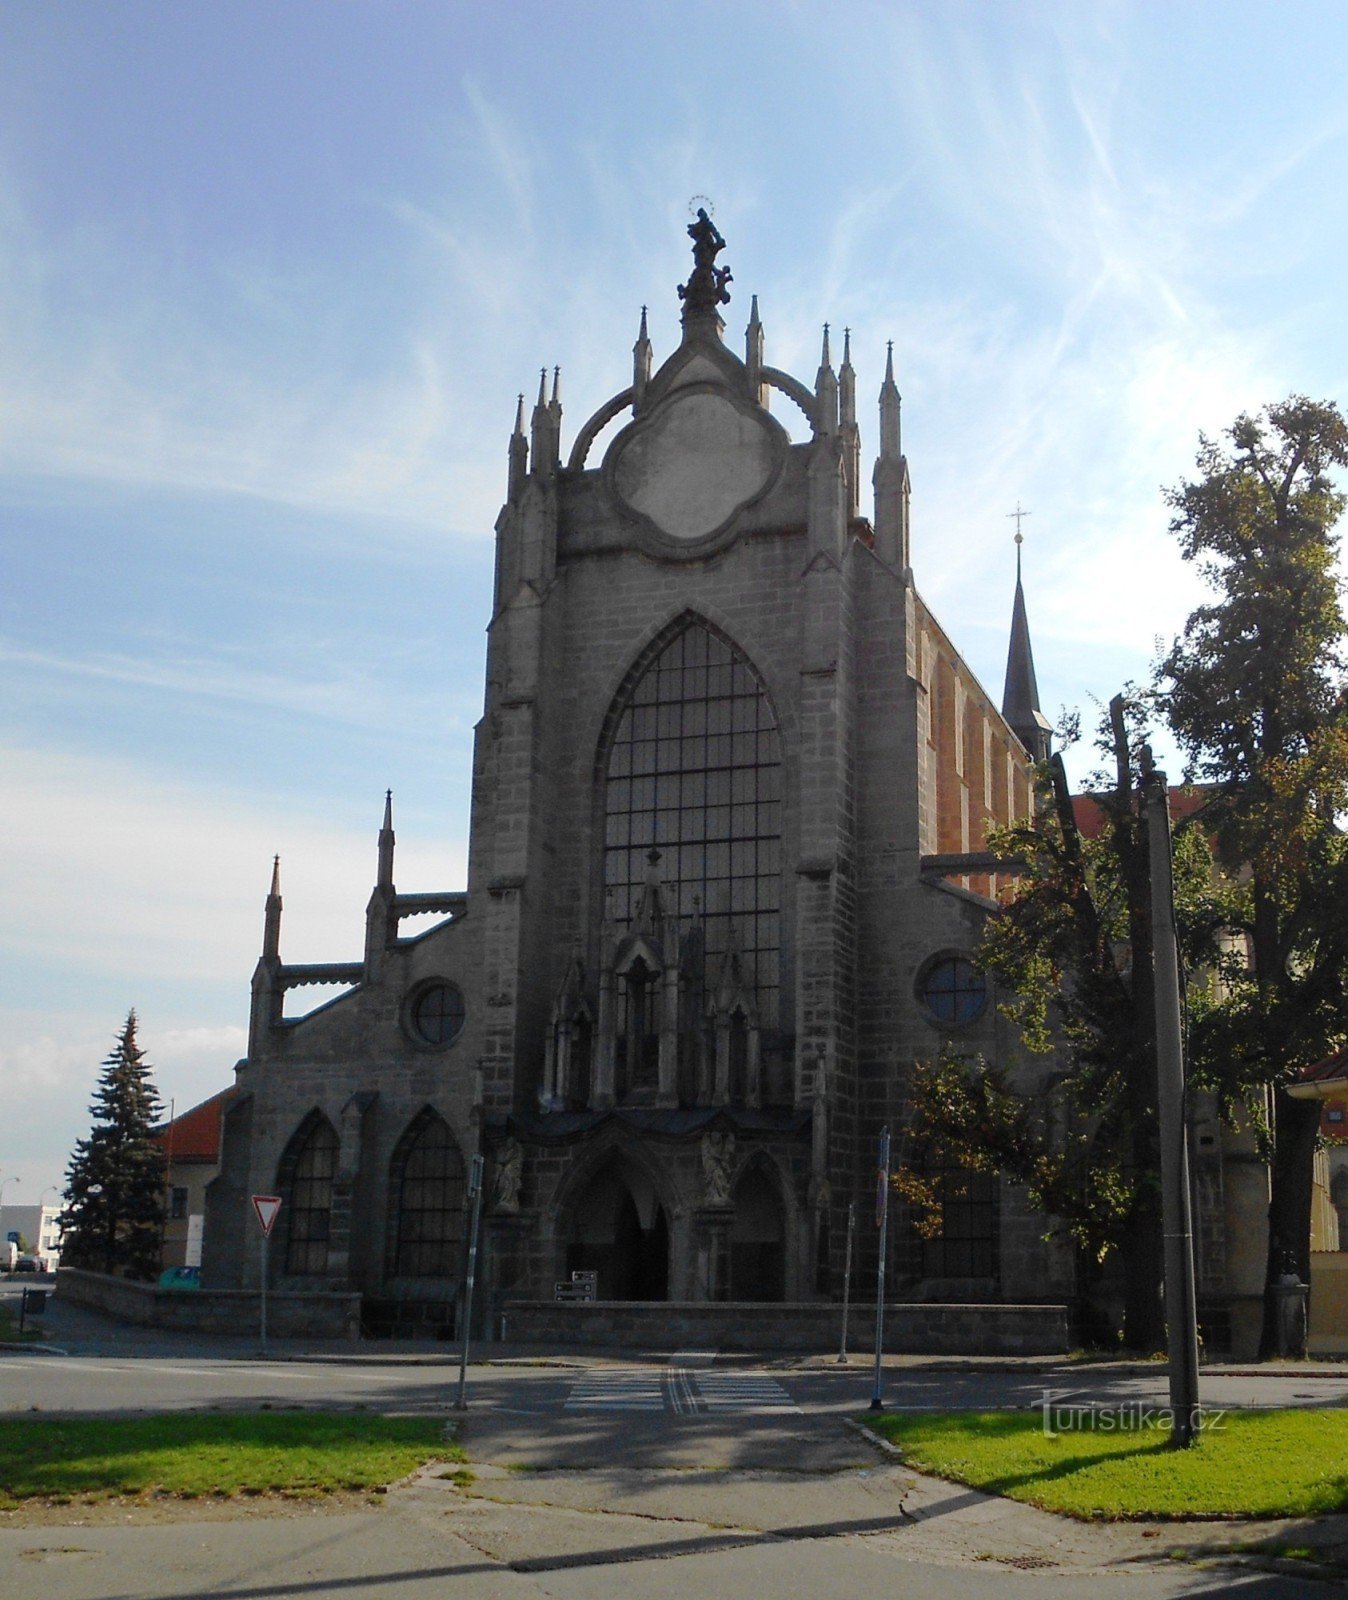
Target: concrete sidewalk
x=813, y=1508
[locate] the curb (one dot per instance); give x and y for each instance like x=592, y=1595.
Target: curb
x=885, y=1446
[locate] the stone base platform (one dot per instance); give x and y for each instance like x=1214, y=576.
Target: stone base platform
x=910, y=1328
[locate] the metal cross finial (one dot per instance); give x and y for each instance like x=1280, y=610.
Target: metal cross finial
x=1018, y=514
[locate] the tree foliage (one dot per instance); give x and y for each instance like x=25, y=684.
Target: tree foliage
x=115, y=1181
x=1256, y=694
x=1254, y=691
x=1070, y=952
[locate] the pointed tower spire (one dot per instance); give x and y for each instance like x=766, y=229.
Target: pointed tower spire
x=542, y=454
x=555, y=406
x=890, y=407
x=1020, y=697
x=890, y=478
x=825, y=393
x=271, y=933
x=519, y=453
x=641, y=364
x=847, y=382
x=753, y=354
x=848, y=430
x=386, y=841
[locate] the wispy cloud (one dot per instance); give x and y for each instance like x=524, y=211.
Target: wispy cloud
x=127, y=876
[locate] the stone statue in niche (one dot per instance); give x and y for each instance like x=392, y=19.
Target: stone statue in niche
x=509, y=1175
x=706, y=288
x=718, y=1153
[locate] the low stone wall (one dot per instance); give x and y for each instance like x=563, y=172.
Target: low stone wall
x=289, y=1316
x=910, y=1329
x=1329, y=1303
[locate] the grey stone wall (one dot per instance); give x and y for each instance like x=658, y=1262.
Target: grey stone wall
x=289, y=1315
x=987, y=1330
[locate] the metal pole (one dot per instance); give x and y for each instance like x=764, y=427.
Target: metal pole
x=847, y=1280
x=882, y=1217
x=1181, y=1318
x=262, y=1299
x=475, y=1190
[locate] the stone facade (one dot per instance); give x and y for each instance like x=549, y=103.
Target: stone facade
x=730, y=792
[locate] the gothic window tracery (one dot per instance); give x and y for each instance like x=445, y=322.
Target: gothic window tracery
x=313, y=1166
x=427, y=1181
x=694, y=771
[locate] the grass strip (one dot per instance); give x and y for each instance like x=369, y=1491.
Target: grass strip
x=9, y=1328
x=212, y=1453
x=1246, y=1464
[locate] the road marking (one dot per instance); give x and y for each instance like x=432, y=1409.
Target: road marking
x=751, y=1392
x=680, y=1391
x=618, y=1389
x=683, y=1391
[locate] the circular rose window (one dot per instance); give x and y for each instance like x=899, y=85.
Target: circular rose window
x=953, y=990
x=437, y=1014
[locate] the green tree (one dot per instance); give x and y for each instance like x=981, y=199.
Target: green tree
x=1254, y=690
x=1071, y=952
x=115, y=1181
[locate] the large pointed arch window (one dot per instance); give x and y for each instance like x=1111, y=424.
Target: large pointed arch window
x=312, y=1164
x=427, y=1182
x=694, y=771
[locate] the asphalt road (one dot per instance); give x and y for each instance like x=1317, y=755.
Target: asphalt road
x=650, y=1479
x=92, y=1383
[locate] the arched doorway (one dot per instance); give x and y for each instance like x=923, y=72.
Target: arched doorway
x=757, y=1237
x=617, y=1227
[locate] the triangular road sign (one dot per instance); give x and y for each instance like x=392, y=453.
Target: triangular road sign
x=267, y=1206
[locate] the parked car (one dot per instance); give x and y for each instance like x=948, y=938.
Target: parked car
x=180, y=1278
x=27, y=1264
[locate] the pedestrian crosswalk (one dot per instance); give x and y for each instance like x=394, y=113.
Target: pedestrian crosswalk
x=681, y=1388
x=728, y=1390
x=618, y=1389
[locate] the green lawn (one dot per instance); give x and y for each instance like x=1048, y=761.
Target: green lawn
x=9, y=1327
x=212, y=1453
x=1248, y=1464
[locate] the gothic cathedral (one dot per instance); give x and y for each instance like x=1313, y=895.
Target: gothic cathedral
x=726, y=875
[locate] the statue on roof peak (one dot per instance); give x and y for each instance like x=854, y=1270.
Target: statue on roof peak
x=706, y=288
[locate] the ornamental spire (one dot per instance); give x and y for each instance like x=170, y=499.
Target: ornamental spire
x=890, y=409
x=518, y=454
x=825, y=392
x=386, y=842
x=848, y=430
x=271, y=932
x=642, y=358
x=1020, y=696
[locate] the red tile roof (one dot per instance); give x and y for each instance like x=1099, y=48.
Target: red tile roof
x=1091, y=818
x=1332, y=1069
x=195, y=1136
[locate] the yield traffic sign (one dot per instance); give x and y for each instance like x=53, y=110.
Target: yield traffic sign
x=267, y=1206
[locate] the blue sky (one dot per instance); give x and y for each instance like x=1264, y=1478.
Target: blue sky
x=271, y=276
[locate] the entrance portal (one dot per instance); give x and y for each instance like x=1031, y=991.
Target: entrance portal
x=757, y=1239
x=618, y=1229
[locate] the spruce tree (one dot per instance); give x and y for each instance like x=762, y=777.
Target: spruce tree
x=115, y=1181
